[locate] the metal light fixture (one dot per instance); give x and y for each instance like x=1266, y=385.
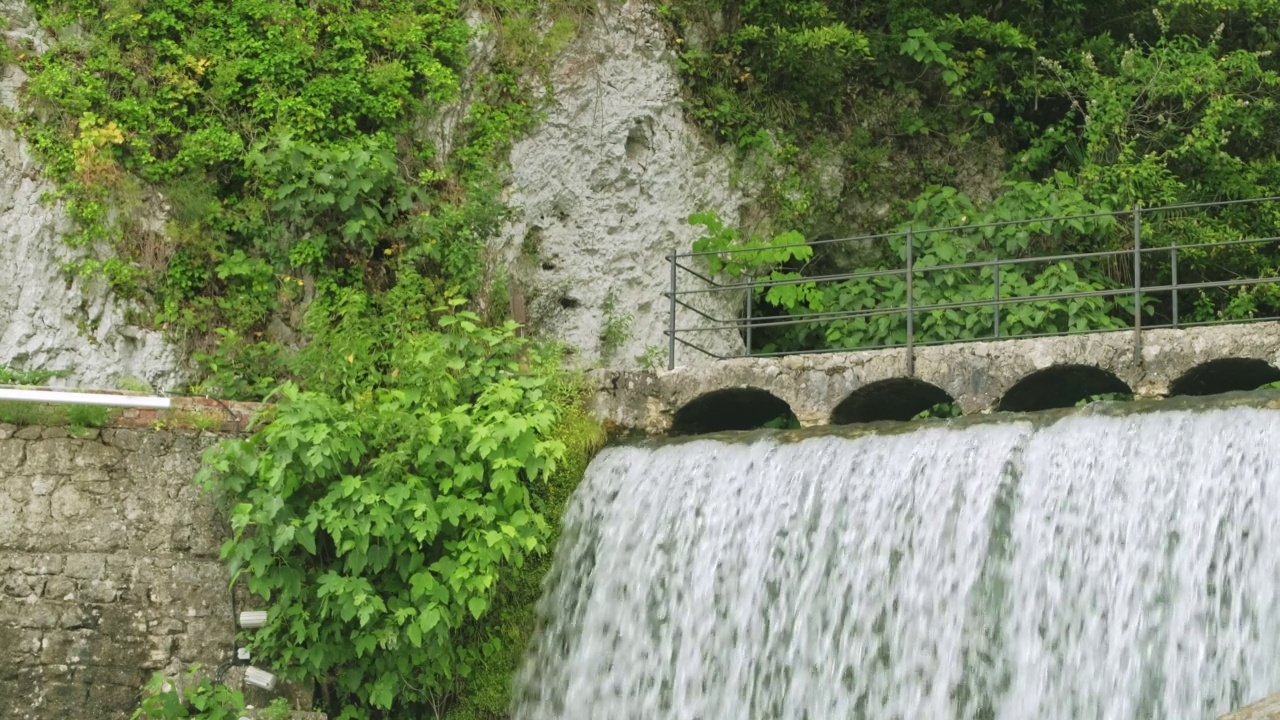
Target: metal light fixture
x=259, y=678
x=253, y=618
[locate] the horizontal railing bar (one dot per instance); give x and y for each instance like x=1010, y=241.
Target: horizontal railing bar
x=1194, y=246
x=1020, y=261
x=1002, y=223
x=788, y=320
x=1212, y=284
x=903, y=233
x=979, y=264
x=791, y=320
x=74, y=397
x=1002, y=338
x=793, y=281
x=1210, y=204
x=936, y=343
x=825, y=351
x=1234, y=321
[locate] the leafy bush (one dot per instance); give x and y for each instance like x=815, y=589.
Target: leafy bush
x=198, y=698
x=377, y=508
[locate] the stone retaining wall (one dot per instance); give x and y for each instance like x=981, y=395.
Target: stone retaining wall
x=109, y=569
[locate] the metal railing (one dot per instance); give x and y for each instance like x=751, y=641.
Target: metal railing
x=1146, y=242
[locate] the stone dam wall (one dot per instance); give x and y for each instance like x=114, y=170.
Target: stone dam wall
x=109, y=568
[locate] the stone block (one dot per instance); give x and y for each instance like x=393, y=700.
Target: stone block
x=36, y=615
x=12, y=454
x=68, y=503
x=21, y=586
x=38, y=563
x=84, y=566
x=60, y=588
x=52, y=456
x=99, y=591
x=30, y=432
x=97, y=456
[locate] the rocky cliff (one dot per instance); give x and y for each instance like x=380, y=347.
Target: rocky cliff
x=49, y=321
x=599, y=193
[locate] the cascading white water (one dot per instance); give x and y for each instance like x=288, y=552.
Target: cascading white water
x=1096, y=567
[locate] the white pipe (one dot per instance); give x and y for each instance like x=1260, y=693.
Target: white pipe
x=77, y=398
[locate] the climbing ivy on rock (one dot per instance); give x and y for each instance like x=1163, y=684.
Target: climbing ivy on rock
x=288, y=143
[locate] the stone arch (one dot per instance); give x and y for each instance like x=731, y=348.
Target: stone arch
x=1060, y=386
x=1224, y=375
x=892, y=399
x=745, y=408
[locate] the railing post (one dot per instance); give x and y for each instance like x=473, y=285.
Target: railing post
x=671, y=318
x=911, y=350
x=995, y=271
x=1173, y=266
x=1137, y=283
x=747, y=315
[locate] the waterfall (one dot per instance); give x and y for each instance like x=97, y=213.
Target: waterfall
x=1092, y=567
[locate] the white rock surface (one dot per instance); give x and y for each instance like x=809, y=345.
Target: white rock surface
x=601, y=192
x=46, y=322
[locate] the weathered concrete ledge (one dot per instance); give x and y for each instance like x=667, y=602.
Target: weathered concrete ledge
x=976, y=375
x=1266, y=709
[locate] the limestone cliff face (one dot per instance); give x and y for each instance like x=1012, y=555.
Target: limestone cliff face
x=601, y=192
x=46, y=321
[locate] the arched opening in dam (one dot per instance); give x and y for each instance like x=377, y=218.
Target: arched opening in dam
x=1061, y=386
x=892, y=399
x=1224, y=375
x=732, y=409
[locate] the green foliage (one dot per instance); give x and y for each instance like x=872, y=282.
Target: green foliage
x=616, y=328
x=1106, y=397
x=783, y=422
x=88, y=416
x=936, y=282
x=1084, y=106
x=486, y=695
x=194, y=697
x=291, y=141
x=379, y=506
x=78, y=417
x=943, y=410
x=15, y=376
x=654, y=357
